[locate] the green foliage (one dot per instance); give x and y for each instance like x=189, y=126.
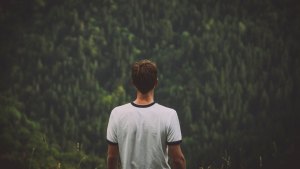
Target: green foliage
x=230, y=69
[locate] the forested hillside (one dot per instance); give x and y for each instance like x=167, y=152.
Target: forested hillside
x=231, y=69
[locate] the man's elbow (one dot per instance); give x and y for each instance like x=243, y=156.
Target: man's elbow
x=111, y=158
x=179, y=162
x=112, y=162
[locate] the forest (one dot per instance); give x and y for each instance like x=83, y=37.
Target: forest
x=231, y=70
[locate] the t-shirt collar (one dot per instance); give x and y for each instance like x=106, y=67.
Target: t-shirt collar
x=142, y=106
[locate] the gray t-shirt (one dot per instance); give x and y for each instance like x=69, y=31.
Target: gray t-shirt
x=142, y=133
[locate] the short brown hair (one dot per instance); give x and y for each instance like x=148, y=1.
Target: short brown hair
x=144, y=75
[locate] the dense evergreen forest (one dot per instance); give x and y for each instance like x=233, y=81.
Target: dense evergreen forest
x=231, y=69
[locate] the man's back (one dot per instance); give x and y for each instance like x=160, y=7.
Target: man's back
x=142, y=133
x=139, y=132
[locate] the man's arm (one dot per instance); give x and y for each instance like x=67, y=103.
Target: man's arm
x=112, y=156
x=177, y=157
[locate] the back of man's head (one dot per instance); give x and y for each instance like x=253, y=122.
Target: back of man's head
x=144, y=75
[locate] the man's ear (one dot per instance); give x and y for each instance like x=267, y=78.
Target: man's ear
x=132, y=83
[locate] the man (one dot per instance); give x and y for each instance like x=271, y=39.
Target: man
x=144, y=133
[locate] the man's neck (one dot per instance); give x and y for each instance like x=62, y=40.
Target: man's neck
x=144, y=99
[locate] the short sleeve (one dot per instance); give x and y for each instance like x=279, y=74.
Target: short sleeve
x=111, y=134
x=174, y=132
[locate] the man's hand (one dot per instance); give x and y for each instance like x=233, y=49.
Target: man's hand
x=177, y=157
x=112, y=156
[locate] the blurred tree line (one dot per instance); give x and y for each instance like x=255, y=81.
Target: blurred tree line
x=230, y=69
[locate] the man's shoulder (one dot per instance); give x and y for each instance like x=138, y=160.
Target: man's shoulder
x=165, y=108
x=122, y=107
